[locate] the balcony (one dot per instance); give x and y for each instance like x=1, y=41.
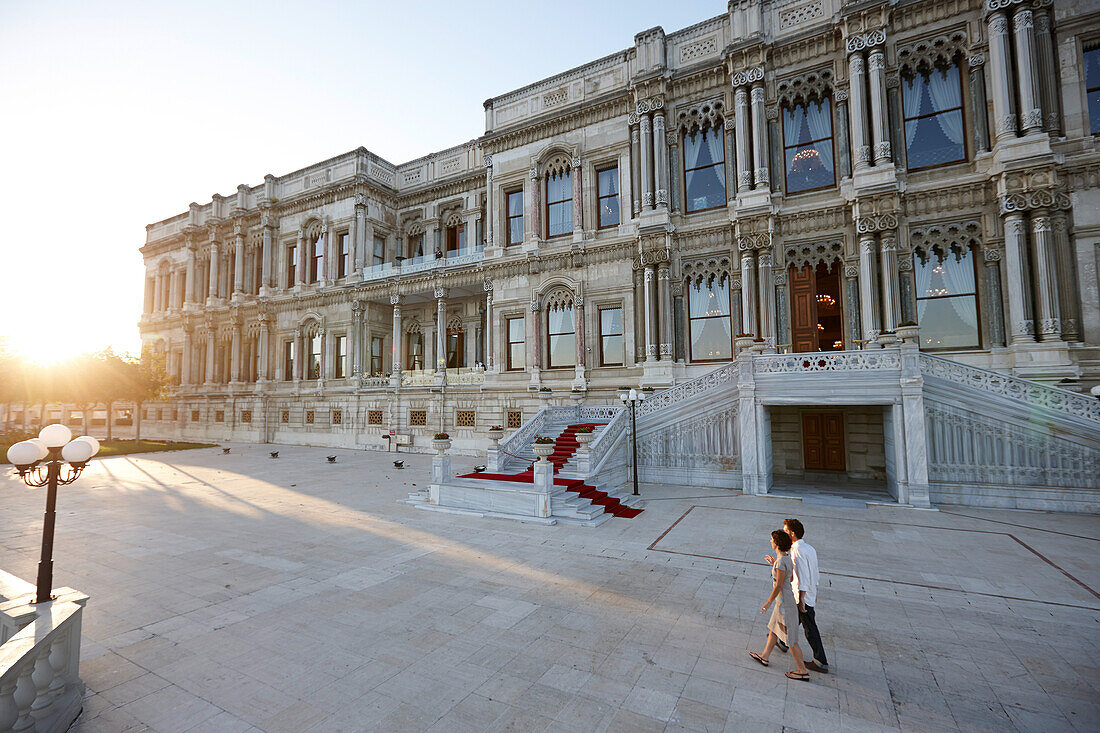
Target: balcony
x=424, y=263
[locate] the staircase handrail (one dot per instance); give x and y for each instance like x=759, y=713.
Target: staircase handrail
x=1006, y=385
x=604, y=442
x=722, y=376
x=525, y=436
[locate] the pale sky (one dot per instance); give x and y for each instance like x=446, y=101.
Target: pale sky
x=116, y=115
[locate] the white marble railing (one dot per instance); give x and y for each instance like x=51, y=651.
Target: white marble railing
x=828, y=361
x=517, y=445
x=374, y=382
x=1005, y=385
x=598, y=412
x=40, y=686
x=463, y=377
x=724, y=376
x=417, y=378
x=609, y=439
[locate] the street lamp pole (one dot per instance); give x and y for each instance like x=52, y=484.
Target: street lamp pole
x=27, y=457
x=632, y=398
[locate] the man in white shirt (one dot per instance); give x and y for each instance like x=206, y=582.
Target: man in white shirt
x=804, y=586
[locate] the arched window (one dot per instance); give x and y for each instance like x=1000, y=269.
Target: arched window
x=559, y=201
x=931, y=99
x=808, y=145
x=316, y=257
x=711, y=337
x=561, y=348
x=947, y=300
x=704, y=168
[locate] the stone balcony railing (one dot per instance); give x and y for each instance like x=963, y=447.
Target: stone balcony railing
x=40, y=686
x=423, y=263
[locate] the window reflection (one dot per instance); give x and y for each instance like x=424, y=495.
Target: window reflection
x=611, y=337
x=947, y=301
x=559, y=203
x=808, y=145
x=1092, y=87
x=932, y=103
x=562, y=345
x=608, y=195
x=704, y=169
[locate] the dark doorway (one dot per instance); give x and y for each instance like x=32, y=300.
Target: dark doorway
x=816, y=318
x=823, y=441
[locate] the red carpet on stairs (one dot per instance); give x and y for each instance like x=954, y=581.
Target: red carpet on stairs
x=564, y=448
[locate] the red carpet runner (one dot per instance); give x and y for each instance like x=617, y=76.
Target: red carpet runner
x=564, y=447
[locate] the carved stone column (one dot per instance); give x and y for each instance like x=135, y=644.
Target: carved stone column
x=210, y=342
x=647, y=161
x=1031, y=115
x=267, y=281
x=490, y=362
x=852, y=317
x=578, y=201
x=890, y=310
x=978, y=107
x=578, y=338
x=876, y=63
x=534, y=205
x=302, y=273
x=185, y=366
x=189, y=283
x=235, y=354
x=361, y=248
x=265, y=348
x=861, y=150
x=238, y=264
x=1047, y=68
x=673, y=139
x=635, y=165
x=744, y=167
x=326, y=260
x=1046, y=278
x=490, y=211
x=994, y=311
x=212, y=285
x=843, y=141
x=664, y=312
x=748, y=294
x=536, y=336
x=397, y=347
x=1067, y=277
x=660, y=159
x=440, y=330
x=759, y=137
x=766, y=284
x=650, y=343
x=868, y=305
x=1021, y=325
x=355, y=342
x=1000, y=65
x=782, y=319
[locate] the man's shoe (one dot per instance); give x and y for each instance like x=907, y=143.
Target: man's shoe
x=815, y=667
x=782, y=647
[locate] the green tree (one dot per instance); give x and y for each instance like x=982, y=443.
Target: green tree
x=112, y=383
x=147, y=380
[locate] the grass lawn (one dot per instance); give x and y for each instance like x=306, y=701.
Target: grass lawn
x=125, y=447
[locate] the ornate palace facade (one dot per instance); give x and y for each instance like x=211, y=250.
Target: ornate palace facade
x=810, y=172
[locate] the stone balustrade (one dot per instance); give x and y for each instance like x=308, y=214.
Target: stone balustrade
x=40, y=686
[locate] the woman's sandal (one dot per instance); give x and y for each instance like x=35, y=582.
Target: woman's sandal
x=759, y=658
x=803, y=676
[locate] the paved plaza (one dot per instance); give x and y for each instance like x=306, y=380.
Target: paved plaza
x=241, y=593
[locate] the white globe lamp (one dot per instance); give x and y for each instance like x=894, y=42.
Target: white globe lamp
x=90, y=441
x=55, y=436
x=42, y=449
x=23, y=453
x=77, y=451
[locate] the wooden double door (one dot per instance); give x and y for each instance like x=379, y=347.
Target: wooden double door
x=816, y=316
x=823, y=441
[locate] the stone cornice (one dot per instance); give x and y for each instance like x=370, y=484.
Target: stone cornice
x=550, y=125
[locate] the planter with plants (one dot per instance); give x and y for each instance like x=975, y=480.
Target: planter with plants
x=441, y=442
x=908, y=331
x=496, y=432
x=544, y=447
x=585, y=434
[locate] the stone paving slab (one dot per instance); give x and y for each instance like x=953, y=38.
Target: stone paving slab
x=240, y=593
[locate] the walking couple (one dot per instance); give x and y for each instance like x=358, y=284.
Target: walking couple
x=794, y=570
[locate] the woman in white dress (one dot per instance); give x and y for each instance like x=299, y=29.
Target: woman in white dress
x=783, y=624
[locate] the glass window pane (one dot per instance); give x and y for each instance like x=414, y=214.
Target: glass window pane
x=559, y=187
x=515, y=329
x=560, y=320
x=609, y=181
x=560, y=216
x=516, y=356
x=948, y=323
x=938, y=275
x=515, y=230
x=562, y=351
x=612, y=350
x=515, y=203
x=709, y=299
x=706, y=188
x=810, y=166
x=611, y=321
x=609, y=211
x=711, y=339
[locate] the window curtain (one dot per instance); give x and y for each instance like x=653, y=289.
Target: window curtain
x=911, y=89
x=956, y=278
x=944, y=90
x=714, y=144
x=820, y=124
x=792, y=124
x=693, y=147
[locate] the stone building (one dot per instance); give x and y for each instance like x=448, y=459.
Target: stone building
x=811, y=173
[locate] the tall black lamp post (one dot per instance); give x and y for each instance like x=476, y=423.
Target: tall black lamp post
x=39, y=462
x=631, y=399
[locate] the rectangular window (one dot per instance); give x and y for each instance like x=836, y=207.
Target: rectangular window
x=194, y=415
x=517, y=344
x=947, y=299
x=337, y=417
x=316, y=259
x=704, y=169
x=709, y=320
x=515, y=216
x=607, y=182
x=515, y=419
x=284, y=417
x=376, y=344
x=931, y=101
x=559, y=203
x=1092, y=87
x=313, y=359
x=246, y=416
x=291, y=264
x=257, y=271
x=288, y=360
x=418, y=418
x=808, y=146
x=456, y=240
x=343, y=259
x=464, y=418
x=374, y=417
x=611, y=337
x=379, y=251
x=340, y=355
x=219, y=416
x=561, y=338
x=414, y=351
x=416, y=245
x=309, y=417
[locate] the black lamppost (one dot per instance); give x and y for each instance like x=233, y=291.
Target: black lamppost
x=39, y=461
x=632, y=398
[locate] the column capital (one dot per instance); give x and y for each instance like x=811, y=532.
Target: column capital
x=395, y=300
x=865, y=41
x=440, y=293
